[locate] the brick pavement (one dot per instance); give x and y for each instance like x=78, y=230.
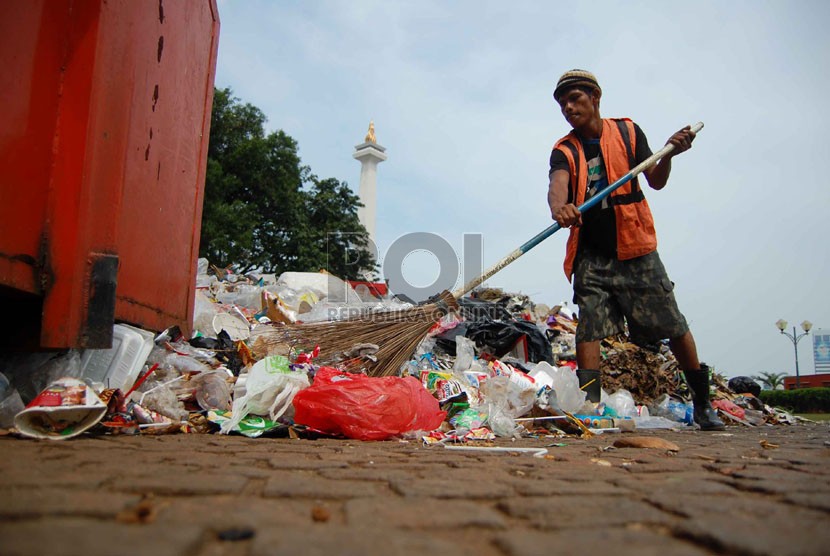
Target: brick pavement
x=722, y=493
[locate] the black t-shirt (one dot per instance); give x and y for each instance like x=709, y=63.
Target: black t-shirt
x=599, y=225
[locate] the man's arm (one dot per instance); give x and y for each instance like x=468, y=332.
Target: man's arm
x=566, y=214
x=658, y=175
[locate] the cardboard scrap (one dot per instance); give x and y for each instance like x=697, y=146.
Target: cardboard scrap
x=648, y=442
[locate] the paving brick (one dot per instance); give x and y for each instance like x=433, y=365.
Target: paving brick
x=602, y=540
x=742, y=534
x=773, y=473
x=814, y=500
x=224, y=512
x=36, y=476
x=441, y=500
x=678, y=482
x=424, y=513
x=368, y=473
x=87, y=537
x=653, y=467
x=303, y=485
x=530, y=487
x=780, y=487
x=471, y=487
x=694, y=506
x=417, y=468
x=159, y=482
x=248, y=470
x=325, y=540
x=308, y=464
x=555, y=512
x=21, y=502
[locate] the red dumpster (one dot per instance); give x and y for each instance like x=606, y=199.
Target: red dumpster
x=104, y=126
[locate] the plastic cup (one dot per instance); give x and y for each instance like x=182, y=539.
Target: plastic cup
x=10, y=406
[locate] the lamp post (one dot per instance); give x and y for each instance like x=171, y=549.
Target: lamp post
x=795, y=338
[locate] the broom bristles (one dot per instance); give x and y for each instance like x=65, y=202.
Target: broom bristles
x=396, y=333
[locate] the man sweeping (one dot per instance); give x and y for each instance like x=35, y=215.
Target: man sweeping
x=611, y=254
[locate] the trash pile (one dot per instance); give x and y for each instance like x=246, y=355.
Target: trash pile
x=500, y=366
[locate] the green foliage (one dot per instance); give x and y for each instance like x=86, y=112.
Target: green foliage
x=264, y=209
x=770, y=381
x=331, y=209
x=803, y=400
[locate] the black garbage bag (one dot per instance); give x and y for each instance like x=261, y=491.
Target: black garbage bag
x=476, y=310
x=225, y=349
x=499, y=337
x=744, y=385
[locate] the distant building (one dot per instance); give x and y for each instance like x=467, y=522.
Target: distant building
x=821, y=350
x=808, y=381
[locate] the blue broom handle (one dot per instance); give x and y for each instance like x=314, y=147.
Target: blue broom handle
x=553, y=228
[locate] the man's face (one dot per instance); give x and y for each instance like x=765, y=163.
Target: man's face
x=577, y=106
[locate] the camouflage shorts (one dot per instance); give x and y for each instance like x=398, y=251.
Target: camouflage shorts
x=610, y=292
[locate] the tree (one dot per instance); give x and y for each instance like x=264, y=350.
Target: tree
x=331, y=209
x=771, y=381
x=263, y=209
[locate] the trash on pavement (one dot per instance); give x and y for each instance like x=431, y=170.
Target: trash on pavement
x=652, y=442
x=502, y=366
x=252, y=426
x=744, y=385
x=66, y=408
x=536, y=452
x=270, y=389
x=366, y=408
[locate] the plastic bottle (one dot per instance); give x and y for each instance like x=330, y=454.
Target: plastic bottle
x=213, y=390
x=4, y=386
x=673, y=408
x=10, y=403
x=682, y=411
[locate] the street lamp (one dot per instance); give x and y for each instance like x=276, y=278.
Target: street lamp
x=795, y=338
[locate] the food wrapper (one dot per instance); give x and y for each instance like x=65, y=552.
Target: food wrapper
x=448, y=389
x=469, y=419
x=66, y=408
x=480, y=434
x=521, y=379
x=252, y=426
x=596, y=421
x=430, y=379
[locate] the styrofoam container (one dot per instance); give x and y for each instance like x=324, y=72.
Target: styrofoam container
x=119, y=366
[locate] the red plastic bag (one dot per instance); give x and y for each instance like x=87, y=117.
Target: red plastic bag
x=730, y=408
x=366, y=408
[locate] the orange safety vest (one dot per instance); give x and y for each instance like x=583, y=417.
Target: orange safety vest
x=635, y=225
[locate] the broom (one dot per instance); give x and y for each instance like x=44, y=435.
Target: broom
x=397, y=333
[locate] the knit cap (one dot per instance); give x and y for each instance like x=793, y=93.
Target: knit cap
x=575, y=77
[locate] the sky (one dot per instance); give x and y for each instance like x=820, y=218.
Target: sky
x=460, y=93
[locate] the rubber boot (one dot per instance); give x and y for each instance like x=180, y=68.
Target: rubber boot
x=705, y=414
x=590, y=383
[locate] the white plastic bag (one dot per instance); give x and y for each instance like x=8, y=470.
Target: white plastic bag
x=623, y=403
x=564, y=382
x=505, y=401
x=242, y=295
x=566, y=386
x=269, y=390
x=465, y=353
x=203, y=312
